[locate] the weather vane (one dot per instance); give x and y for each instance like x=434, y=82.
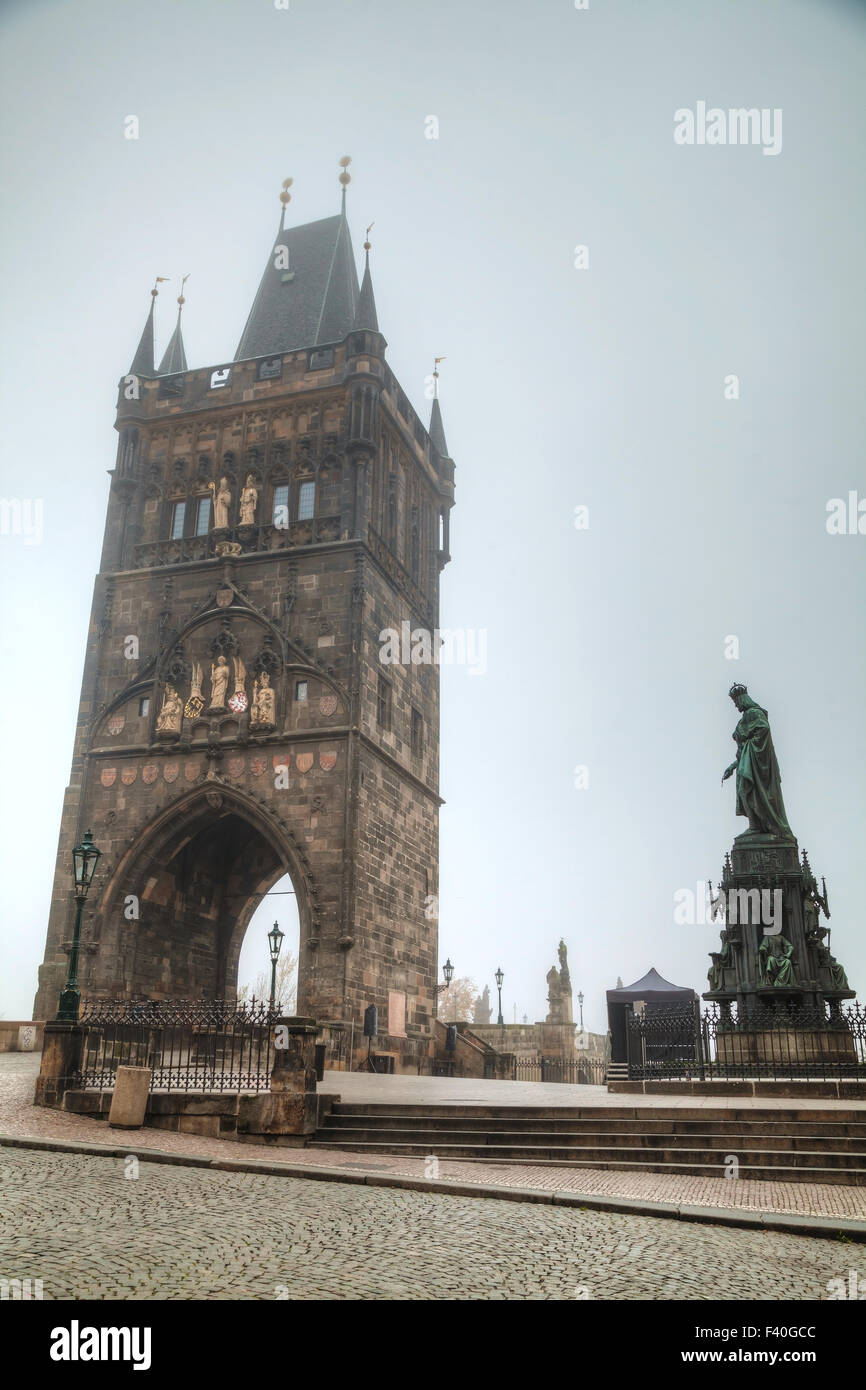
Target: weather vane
x=160, y=280
x=436, y=361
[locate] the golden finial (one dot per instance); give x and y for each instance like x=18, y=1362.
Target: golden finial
x=180, y=299
x=285, y=196
x=160, y=280
x=345, y=177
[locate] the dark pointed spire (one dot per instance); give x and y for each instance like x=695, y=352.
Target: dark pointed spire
x=142, y=362
x=309, y=290
x=174, y=358
x=365, y=314
x=437, y=429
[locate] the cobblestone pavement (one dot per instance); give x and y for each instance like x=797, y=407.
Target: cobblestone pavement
x=18, y=1116
x=88, y=1230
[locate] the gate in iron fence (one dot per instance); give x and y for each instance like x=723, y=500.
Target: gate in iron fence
x=782, y=1043
x=190, y=1045
x=574, y=1071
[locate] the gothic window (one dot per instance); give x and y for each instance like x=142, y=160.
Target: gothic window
x=144, y=706
x=177, y=519
x=270, y=368
x=301, y=690
x=202, y=516
x=307, y=501
x=280, y=515
x=391, y=519
x=417, y=733
x=221, y=377
x=415, y=547
x=383, y=704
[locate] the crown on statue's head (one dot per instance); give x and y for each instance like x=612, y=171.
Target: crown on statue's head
x=737, y=689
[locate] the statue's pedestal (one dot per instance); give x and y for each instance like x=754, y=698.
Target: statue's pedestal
x=774, y=964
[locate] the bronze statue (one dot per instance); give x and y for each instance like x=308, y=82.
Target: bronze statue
x=759, y=785
x=776, y=961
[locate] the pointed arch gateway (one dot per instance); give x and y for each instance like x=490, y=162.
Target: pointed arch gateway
x=195, y=876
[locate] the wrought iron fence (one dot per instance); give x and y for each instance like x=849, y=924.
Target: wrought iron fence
x=573, y=1071
x=772, y=1043
x=190, y=1045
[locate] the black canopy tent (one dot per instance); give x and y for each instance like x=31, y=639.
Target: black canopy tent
x=651, y=991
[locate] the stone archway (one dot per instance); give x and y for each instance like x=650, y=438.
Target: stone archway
x=195, y=878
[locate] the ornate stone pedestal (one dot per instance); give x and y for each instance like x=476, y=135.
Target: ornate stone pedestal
x=774, y=964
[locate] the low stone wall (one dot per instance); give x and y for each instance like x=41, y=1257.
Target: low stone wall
x=17, y=1035
x=255, y=1118
x=529, y=1042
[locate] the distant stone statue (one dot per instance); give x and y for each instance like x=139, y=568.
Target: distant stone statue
x=481, y=1011
x=559, y=990
x=759, y=785
x=219, y=679
x=263, y=710
x=168, y=721
x=249, y=498
x=222, y=500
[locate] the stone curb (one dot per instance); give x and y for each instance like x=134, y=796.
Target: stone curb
x=791, y=1222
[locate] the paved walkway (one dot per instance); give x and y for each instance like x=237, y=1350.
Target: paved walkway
x=19, y=1118
x=107, y=1229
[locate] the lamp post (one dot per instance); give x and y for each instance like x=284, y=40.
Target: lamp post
x=448, y=972
x=84, y=860
x=275, y=941
x=499, y=977
x=580, y=1004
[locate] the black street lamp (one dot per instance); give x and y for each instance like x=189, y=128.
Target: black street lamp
x=499, y=977
x=84, y=860
x=275, y=941
x=580, y=1002
x=448, y=972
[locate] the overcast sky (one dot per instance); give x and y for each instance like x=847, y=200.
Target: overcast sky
x=601, y=386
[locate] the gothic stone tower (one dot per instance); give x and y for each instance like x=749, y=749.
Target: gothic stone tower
x=268, y=518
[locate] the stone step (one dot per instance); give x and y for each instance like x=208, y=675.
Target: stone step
x=707, y=1125
x=767, y=1163
x=732, y=1140
x=756, y=1168
x=848, y=1115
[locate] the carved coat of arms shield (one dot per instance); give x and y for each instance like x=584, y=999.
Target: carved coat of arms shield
x=191, y=771
x=327, y=705
x=237, y=767
x=258, y=766
x=116, y=723
x=170, y=771
x=108, y=776
x=303, y=762
x=128, y=775
x=327, y=761
x=149, y=773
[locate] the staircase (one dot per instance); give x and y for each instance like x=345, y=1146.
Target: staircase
x=793, y=1145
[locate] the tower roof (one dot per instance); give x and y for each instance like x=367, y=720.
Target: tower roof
x=313, y=299
x=174, y=357
x=365, y=314
x=437, y=430
x=142, y=362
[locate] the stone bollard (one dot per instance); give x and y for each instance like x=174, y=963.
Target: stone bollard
x=61, y=1059
x=129, y=1102
x=289, y=1108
